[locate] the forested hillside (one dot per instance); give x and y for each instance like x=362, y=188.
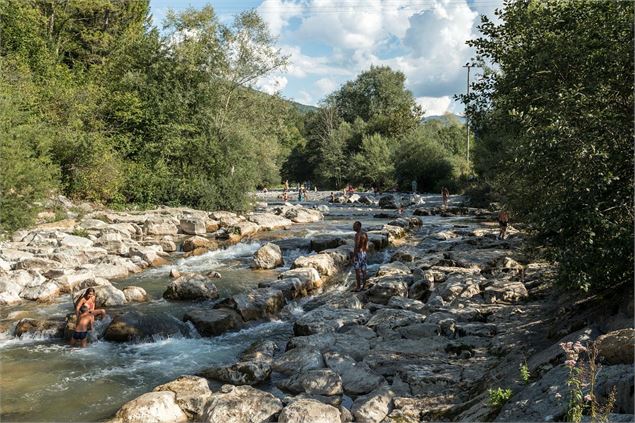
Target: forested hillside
x=102, y=106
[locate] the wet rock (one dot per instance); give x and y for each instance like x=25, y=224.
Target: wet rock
x=269, y=256
x=135, y=326
x=175, y=274
x=288, y=244
x=191, y=394
x=298, y=360
x=389, y=202
x=304, y=274
x=323, y=263
x=357, y=378
x=373, y=407
x=340, y=255
x=326, y=319
x=324, y=242
x=241, y=373
x=244, y=228
x=309, y=411
x=152, y=407
x=313, y=382
x=51, y=328
x=378, y=239
x=617, y=347
x=191, y=286
x=256, y=304
x=505, y=291
x=214, y=322
x=193, y=226
x=195, y=242
x=238, y=404
x=269, y=221
x=383, y=289
x=291, y=287
x=135, y=294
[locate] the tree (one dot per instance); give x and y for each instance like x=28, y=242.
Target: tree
x=557, y=118
x=378, y=96
x=373, y=165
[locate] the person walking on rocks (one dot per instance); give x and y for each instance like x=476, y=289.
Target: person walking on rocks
x=445, y=194
x=503, y=221
x=359, y=256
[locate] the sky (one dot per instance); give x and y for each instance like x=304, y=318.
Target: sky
x=330, y=42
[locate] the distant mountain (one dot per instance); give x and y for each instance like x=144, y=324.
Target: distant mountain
x=448, y=117
x=302, y=108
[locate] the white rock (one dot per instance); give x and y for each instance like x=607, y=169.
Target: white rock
x=156, y=407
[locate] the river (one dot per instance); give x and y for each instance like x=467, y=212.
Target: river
x=43, y=379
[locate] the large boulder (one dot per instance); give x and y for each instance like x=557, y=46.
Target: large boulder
x=253, y=368
x=617, y=347
x=195, y=242
x=135, y=326
x=156, y=407
x=160, y=226
x=383, y=289
x=269, y=256
x=51, y=328
x=291, y=287
x=193, y=226
x=354, y=344
x=191, y=286
x=244, y=228
x=214, y=322
x=298, y=360
x=389, y=202
x=459, y=286
x=191, y=394
x=44, y=292
x=304, y=274
x=106, y=295
x=257, y=303
x=135, y=294
x=308, y=410
x=269, y=221
x=323, y=263
x=374, y=406
x=303, y=215
x=313, y=382
x=239, y=404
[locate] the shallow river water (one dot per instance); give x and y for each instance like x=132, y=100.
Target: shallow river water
x=43, y=379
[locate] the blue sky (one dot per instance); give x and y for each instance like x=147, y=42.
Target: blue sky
x=331, y=41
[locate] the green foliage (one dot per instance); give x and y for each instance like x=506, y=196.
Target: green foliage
x=525, y=374
x=556, y=131
x=80, y=232
x=373, y=165
x=498, y=397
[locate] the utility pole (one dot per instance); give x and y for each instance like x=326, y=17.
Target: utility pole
x=467, y=122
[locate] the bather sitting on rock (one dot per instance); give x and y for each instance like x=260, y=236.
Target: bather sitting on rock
x=88, y=299
x=84, y=324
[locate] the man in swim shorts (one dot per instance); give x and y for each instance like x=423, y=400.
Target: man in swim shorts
x=83, y=325
x=359, y=256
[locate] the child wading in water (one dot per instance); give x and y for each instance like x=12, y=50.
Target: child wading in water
x=84, y=324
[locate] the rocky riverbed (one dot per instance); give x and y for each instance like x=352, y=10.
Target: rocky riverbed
x=250, y=318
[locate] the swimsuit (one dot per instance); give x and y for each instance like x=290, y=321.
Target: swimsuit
x=359, y=262
x=502, y=224
x=80, y=335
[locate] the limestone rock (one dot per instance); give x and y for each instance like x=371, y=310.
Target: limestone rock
x=269, y=256
x=191, y=286
x=298, y=360
x=135, y=294
x=214, y=321
x=326, y=319
x=53, y=328
x=193, y=226
x=191, y=394
x=373, y=407
x=194, y=242
x=269, y=221
x=617, y=347
x=309, y=411
x=505, y=291
x=313, y=382
x=323, y=263
x=256, y=304
x=357, y=378
x=383, y=289
x=152, y=407
x=239, y=404
x=290, y=287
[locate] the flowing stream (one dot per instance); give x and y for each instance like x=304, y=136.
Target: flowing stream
x=43, y=379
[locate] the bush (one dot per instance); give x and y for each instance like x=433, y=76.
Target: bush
x=498, y=397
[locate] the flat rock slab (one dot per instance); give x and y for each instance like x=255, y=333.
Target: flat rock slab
x=326, y=319
x=357, y=378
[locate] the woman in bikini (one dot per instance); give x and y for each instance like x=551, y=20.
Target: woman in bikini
x=88, y=299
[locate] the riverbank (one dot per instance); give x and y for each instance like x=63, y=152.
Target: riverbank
x=450, y=312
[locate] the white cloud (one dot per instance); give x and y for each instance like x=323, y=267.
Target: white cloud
x=272, y=84
x=424, y=40
x=434, y=106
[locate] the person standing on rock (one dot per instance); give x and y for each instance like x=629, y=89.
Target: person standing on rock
x=359, y=256
x=503, y=221
x=445, y=194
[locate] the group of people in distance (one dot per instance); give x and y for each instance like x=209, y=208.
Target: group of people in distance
x=85, y=314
